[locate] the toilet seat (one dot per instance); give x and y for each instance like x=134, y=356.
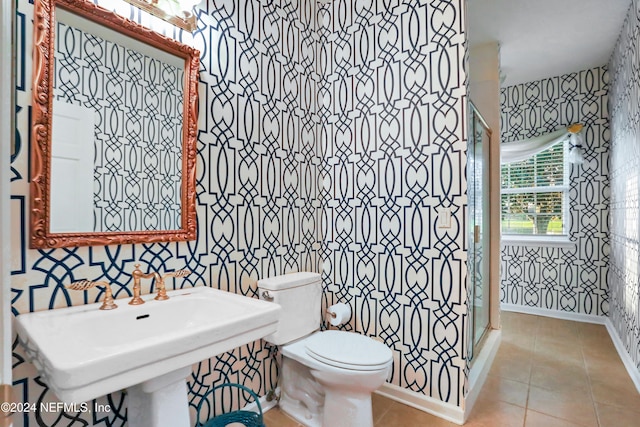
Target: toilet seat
x=348, y=350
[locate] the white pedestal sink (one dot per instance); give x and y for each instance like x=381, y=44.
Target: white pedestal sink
x=83, y=352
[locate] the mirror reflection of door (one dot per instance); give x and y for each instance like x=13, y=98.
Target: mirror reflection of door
x=134, y=92
x=72, y=156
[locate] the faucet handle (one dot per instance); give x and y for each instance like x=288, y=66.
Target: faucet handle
x=82, y=285
x=179, y=273
x=162, y=291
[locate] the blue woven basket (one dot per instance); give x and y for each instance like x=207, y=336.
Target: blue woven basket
x=246, y=418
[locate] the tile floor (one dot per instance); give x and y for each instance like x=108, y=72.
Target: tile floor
x=547, y=373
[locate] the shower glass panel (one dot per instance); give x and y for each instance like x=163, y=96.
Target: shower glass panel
x=478, y=227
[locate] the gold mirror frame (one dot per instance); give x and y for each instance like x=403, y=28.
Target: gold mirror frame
x=43, y=71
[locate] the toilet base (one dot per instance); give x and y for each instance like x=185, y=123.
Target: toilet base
x=302, y=396
x=340, y=410
x=345, y=409
x=300, y=414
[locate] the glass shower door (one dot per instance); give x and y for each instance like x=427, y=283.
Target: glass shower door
x=478, y=229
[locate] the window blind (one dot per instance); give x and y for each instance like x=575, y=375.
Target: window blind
x=534, y=193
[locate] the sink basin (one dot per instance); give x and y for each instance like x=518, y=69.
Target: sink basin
x=83, y=352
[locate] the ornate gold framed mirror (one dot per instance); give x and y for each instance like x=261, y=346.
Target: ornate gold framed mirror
x=114, y=128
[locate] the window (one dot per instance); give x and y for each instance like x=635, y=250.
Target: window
x=534, y=194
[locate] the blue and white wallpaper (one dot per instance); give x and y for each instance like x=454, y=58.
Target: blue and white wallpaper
x=331, y=135
x=565, y=279
x=392, y=139
x=138, y=110
x=624, y=104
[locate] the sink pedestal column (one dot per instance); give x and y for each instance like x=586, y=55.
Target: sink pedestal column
x=160, y=402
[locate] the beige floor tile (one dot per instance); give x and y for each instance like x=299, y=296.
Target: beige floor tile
x=524, y=342
x=505, y=390
x=552, y=329
x=602, y=355
x=620, y=393
x=537, y=419
x=559, y=377
x=558, y=353
x=558, y=336
x=601, y=365
x=567, y=406
x=600, y=347
x=510, y=319
x=513, y=350
x=520, y=326
x=589, y=332
x=602, y=350
x=591, y=329
x=554, y=322
x=512, y=369
x=571, y=346
x=402, y=415
x=380, y=406
x=512, y=362
x=493, y=413
x=276, y=418
x=610, y=416
x=605, y=370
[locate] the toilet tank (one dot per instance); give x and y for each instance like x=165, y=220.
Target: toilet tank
x=299, y=295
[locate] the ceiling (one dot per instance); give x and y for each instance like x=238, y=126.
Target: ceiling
x=546, y=38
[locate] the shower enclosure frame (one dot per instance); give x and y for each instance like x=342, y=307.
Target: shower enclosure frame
x=479, y=230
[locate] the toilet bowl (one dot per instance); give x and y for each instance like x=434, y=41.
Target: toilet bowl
x=346, y=382
x=327, y=377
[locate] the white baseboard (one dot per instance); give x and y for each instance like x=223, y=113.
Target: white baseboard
x=480, y=369
x=565, y=315
x=263, y=403
x=436, y=407
x=632, y=370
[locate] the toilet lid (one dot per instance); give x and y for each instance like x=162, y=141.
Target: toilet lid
x=348, y=350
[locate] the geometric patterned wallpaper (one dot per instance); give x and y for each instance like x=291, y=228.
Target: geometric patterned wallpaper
x=570, y=279
x=257, y=205
x=330, y=138
x=624, y=274
x=137, y=104
x=392, y=140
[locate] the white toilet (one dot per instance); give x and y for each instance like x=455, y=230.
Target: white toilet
x=327, y=377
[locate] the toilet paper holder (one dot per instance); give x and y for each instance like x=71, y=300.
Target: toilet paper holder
x=338, y=314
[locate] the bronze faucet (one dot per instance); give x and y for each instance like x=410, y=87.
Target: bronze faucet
x=137, y=274
x=82, y=285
